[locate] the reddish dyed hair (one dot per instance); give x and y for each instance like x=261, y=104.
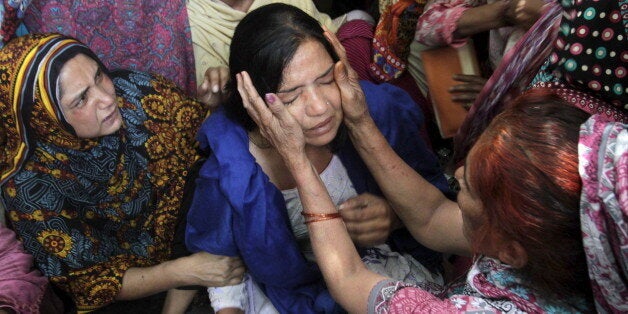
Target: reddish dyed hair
x=524, y=169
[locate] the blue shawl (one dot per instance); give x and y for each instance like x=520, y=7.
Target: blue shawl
x=237, y=211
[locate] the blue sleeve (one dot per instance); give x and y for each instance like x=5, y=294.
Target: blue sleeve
x=237, y=211
x=209, y=219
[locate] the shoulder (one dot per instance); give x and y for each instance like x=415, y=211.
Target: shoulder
x=160, y=98
x=385, y=96
x=132, y=82
x=223, y=136
x=391, y=106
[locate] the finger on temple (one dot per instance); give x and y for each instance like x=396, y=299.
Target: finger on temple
x=260, y=106
x=241, y=91
x=338, y=47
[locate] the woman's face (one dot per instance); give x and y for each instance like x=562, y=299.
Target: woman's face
x=470, y=206
x=310, y=93
x=88, y=98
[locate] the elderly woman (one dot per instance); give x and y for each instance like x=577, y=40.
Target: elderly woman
x=245, y=203
x=93, y=171
x=519, y=207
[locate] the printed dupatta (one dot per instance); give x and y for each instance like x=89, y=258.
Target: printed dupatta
x=89, y=209
x=491, y=287
x=603, y=156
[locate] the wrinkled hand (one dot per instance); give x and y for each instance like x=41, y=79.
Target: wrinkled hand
x=276, y=124
x=353, y=101
x=210, y=270
x=524, y=13
x=468, y=91
x=211, y=91
x=369, y=219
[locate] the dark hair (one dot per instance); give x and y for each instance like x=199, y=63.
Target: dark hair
x=263, y=44
x=524, y=169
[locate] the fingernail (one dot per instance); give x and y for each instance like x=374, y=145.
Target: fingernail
x=270, y=98
x=341, y=207
x=215, y=88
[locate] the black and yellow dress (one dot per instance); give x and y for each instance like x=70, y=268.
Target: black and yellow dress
x=89, y=209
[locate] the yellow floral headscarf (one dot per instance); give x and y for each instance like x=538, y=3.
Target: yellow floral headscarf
x=87, y=210
x=28, y=104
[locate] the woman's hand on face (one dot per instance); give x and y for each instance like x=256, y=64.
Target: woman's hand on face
x=211, y=91
x=369, y=219
x=353, y=101
x=468, y=91
x=275, y=123
x=210, y=270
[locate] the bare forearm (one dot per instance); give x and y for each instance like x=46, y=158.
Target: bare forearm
x=336, y=255
x=201, y=269
x=433, y=220
x=408, y=190
x=482, y=18
x=139, y=282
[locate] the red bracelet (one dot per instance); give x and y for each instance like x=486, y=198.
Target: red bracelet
x=320, y=217
x=315, y=215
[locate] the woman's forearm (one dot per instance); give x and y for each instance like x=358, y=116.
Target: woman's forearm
x=432, y=218
x=139, y=282
x=335, y=253
x=480, y=19
x=201, y=269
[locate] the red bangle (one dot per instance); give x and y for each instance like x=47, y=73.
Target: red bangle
x=315, y=215
x=320, y=217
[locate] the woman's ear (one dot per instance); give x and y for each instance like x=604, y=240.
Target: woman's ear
x=513, y=254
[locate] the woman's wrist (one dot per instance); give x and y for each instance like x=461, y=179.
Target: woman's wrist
x=171, y=272
x=483, y=18
x=360, y=129
x=296, y=162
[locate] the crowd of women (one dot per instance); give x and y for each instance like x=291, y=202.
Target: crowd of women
x=254, y=159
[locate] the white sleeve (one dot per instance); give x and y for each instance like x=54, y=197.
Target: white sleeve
x=228, y=296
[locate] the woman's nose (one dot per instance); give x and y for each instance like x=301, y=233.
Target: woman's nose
x=317, y=104
x=104, y=98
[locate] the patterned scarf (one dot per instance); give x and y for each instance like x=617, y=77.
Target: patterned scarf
x=88, y=209
x=583, y=48
x=144, y=35
x=603, y=154
x=590, y=51
x=490, y=287
x=517, y=69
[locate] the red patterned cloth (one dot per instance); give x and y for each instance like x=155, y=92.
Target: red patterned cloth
x=491, y=287
x=585, y=101
x=356, y=37
x=393, y=35
x=145, y=35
